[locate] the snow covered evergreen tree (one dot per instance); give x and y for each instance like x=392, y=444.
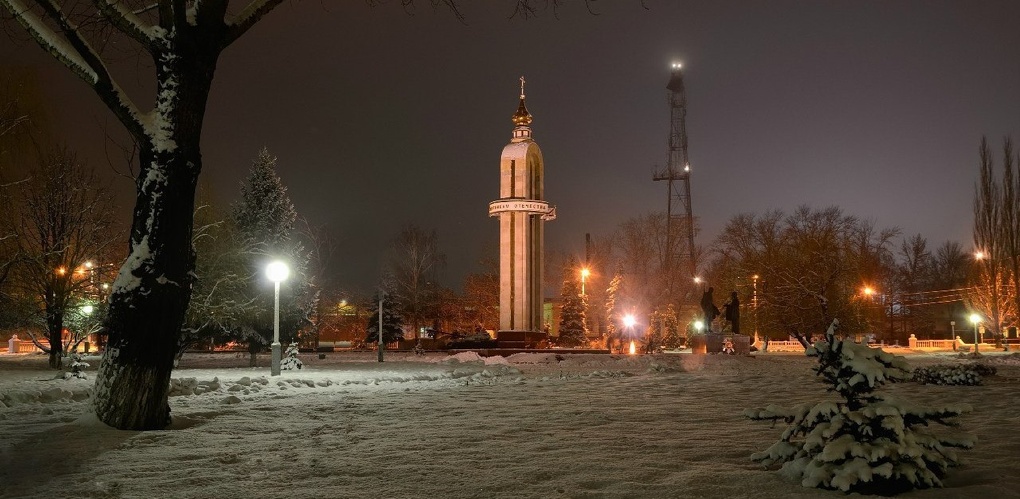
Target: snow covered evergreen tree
x=613, y=315
x=78, y=367
x=865, y=443
x=654, y=332
x=290, y=360
x=265, y=218
x=393, y=321
x=572, y=324
x=671, y=328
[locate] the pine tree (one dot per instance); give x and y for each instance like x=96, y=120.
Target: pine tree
x=612, y=313
x=572, y=323
x=392, y=317
x=290, y=359
x=78, y=366
x=864, y=443
x=654, y=333
x=265, y=218
x=671, y=328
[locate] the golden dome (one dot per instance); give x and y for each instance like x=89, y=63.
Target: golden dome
x=522, y=117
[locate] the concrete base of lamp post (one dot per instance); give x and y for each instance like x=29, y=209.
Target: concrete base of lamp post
x=275, y=369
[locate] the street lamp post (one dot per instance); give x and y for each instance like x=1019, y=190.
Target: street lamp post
x=277, y=272
x=380, y=345
x=754, y=304
x=629, y=321
x=976, y=319
x=584, y=275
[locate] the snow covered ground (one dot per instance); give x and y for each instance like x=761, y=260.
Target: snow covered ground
x=529, y=426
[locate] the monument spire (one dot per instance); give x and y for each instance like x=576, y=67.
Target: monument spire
x=522, y=211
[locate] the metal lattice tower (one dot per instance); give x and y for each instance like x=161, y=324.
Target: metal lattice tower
x=677, y=174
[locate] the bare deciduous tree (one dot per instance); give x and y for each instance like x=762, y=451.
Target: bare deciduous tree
x=988, y=296
x=809, y=263
x=414, y=268
x=64, y=234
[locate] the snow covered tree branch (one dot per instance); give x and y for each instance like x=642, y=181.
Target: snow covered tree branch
x=128, y=22
x=247, y=18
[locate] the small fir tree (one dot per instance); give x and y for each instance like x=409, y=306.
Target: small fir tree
x=572, y=324
x=78, y=366
x=612, y=312
x=291, y=360
x=865, y=443
x=654, y=333
x=671, y=328
x=393, y=321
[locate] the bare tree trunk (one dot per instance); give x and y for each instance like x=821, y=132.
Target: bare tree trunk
x=151, y=294
x=54, y=332
x=253, y=351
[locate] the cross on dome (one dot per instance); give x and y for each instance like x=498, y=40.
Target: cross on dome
x=522, y=117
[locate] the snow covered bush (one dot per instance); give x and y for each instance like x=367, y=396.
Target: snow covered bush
x=78, y=366
x=946, y=374
x=863, y=443
x=291, y=361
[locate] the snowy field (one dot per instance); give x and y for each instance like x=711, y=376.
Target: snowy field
x=528, y=426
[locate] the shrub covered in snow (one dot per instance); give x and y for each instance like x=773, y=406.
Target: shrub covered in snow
x=947, y=374
x=865, y=442
x=78, y=366
x=291, y=360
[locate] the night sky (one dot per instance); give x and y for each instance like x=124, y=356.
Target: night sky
x=380, y=118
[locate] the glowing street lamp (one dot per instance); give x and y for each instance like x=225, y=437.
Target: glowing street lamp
x=585, y=272
x=87, y=309
x=277, y=272
x=976, y=319
x=979, y=255
x=629, y=321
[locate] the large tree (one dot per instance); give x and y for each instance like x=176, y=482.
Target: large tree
x=573, y=331
x=265, y=218
x=996, y=292
x=481, y=294
x=150, y=296
x=811, y=265
x=413, y=269
x=64, y=234
x=990, y=295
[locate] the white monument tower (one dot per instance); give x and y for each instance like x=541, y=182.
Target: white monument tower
x=522, y=211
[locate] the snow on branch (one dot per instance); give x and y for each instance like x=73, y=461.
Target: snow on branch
x=49, y=41
x=247, y=18
x=128, y=22
x=75, y=52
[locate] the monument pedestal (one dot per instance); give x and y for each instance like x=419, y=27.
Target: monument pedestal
x=698, y=345
x=521, y=339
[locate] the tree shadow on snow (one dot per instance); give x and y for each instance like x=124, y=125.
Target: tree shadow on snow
x=56, y=452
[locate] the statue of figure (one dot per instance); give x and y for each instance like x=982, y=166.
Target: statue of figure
x=731, y=311
x=708, y=308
